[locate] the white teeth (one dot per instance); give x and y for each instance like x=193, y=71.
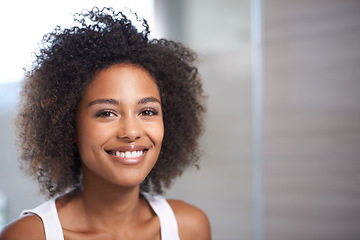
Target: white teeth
x=128, y=154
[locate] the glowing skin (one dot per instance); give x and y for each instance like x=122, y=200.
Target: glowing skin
x=120, y=126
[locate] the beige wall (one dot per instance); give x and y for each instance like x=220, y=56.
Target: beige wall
x=312, y=119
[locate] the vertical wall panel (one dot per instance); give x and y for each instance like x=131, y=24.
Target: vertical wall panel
x=312, y=119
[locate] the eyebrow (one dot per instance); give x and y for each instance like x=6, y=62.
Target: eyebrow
x=104, y=101
x=149, y=99
x=115, y=102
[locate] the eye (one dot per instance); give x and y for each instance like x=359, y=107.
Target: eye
x=149, y=112
x=105, y=114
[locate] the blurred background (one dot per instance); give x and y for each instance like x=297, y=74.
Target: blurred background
x=282, y=144
x=311, y=119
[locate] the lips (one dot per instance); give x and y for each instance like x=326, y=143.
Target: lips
x=128, y=155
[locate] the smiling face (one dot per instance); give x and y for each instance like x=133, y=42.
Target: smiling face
x=120, y=126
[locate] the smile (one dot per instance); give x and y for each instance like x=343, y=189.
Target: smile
x=127, y=154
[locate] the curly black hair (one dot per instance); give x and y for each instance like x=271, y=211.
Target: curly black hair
x=68, y=61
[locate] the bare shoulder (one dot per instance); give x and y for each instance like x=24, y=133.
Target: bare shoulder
x=28, y=227
x=193, y=222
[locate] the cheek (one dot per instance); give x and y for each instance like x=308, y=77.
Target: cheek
x=90, y=135
x=157, y=133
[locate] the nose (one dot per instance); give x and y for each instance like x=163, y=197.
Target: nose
x=129, y=128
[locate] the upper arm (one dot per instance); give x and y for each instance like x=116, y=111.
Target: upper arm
x=27, y=227
x=192, y=222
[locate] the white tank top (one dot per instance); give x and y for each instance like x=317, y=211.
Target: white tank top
x=53, y=230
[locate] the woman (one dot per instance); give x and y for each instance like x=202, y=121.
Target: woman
x=108, y=118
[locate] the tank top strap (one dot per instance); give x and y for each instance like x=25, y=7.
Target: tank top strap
x=53, y=230
x=168, y=223
x=50, y=219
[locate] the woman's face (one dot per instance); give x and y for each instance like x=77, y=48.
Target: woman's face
x=120, y=126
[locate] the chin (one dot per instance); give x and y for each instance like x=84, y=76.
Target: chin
x=129, y=180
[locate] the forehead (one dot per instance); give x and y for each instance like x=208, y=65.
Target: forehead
x=122, y=81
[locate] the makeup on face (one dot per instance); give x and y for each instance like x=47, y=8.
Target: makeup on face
x=120, y=125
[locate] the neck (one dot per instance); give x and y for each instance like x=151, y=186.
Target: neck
x=104, y=203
